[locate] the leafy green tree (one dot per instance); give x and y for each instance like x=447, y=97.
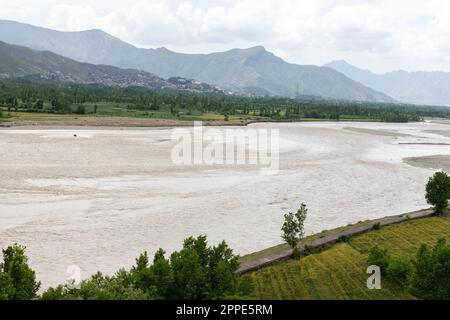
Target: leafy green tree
x=438, y=191
x=293, y=228
x=431, y=276
x=223, y=264
x=161, y=273
x=190, y=278
x=21, y=276
x=140, y=274
x=203, y=272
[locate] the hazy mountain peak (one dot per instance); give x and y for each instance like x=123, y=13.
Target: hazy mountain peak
x=431, y=88
x=257, y=49
x=339, y=62
x=251, y=71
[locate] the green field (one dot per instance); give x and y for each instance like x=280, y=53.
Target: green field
x=340, y=272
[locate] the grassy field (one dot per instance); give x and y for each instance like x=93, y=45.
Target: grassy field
x=340, y=272
x=284, y=246
x=120, y=110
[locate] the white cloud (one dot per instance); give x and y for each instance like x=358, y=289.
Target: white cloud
x=376, y=34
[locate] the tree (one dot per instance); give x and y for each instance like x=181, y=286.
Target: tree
x=140, y=274
x=438, y=191
x=21, y=276
x=161, y=273
x=223, y=264
x=431, y=276
x=81, y=109
x=195, y=272
x=203, y=272
x=293, y=228
x=190, y=281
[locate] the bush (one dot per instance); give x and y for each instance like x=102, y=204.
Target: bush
x=99, y=287
x=379, y=257
x=308, y=250
x=345, y=239
x=400, y=270
x=377, y=226
x=431, y=277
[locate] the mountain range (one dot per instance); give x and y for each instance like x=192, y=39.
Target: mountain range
x=253, y=71
x=21, y=62
x=429, y=88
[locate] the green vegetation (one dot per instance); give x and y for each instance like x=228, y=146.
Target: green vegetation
x=340, y=271
x=17, y=279
x=195, y=272
x=430, y=278
x=202, y=272
x=97, y=100
x=410, y=269
x=427, y=276
x=438, y=191
x=293, y=228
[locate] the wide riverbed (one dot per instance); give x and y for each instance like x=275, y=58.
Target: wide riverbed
x=100, y=199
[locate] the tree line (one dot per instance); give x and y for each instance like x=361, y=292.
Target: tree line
x=197, y=271
x=28, y=96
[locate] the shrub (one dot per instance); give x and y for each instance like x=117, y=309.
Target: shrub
x=431, y=277
x=400, y=270
x=100, y=287
x=308, y=250
x=376, y=226
x=345, y=239
x=379, y=257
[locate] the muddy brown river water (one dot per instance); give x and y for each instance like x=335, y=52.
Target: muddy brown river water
x=101, y=198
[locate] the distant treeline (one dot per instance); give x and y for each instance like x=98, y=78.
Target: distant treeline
x=28, y=96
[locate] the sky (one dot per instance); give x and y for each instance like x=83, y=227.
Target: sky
x=379, y=35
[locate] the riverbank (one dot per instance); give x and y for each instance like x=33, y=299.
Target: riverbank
x=113, y=122
x=315, y=242
x=340, y=272
x=22, y=119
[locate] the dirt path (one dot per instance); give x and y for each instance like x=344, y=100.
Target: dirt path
x=330, y=239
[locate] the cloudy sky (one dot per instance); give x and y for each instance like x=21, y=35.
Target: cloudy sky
x=381, y=35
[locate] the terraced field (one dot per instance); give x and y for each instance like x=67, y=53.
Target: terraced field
x=340, y=272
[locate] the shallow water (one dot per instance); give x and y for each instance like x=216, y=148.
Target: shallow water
x=97, y=201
